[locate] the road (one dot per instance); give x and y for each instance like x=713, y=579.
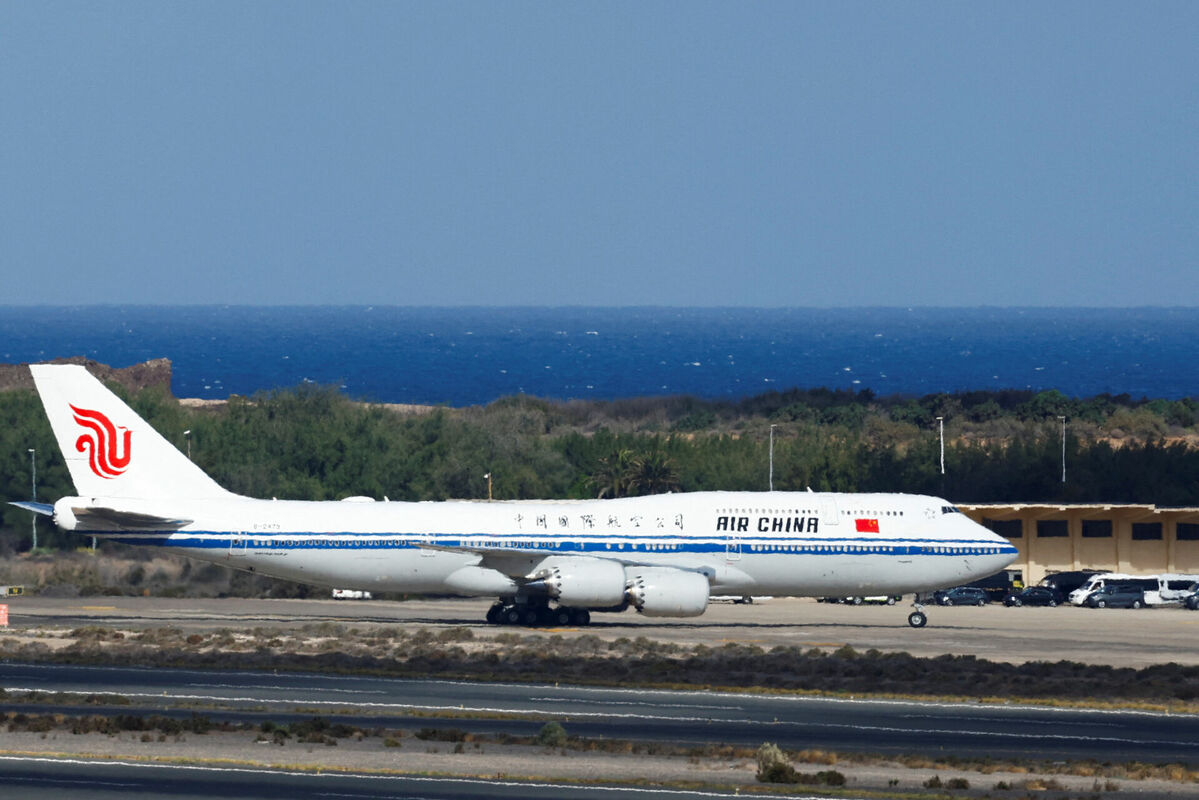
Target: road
x=681, y=717
x=32, y=778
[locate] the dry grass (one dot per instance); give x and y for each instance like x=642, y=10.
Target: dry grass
x=458, y=653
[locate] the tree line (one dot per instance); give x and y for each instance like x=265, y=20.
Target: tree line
x=313, y=443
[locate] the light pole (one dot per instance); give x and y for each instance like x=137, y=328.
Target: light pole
x=187, y=434
x=33, y=492
x=1063, y=419
x=941, y=426
x=488, y=477
x=772, y=458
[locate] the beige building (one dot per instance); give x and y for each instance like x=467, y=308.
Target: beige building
x=1137, y=539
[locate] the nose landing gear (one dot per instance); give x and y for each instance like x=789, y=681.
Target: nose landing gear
x=918, y=619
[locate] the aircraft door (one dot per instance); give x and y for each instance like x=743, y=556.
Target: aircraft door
x=238, y=543
x=732, y=548
x=830, y=514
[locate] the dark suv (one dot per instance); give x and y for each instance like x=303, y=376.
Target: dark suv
x=1034, y=596
x=962, y=596
x=1117, y=596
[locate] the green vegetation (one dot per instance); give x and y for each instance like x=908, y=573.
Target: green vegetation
x=773, y=767
x=313, y=443
x=552, y=734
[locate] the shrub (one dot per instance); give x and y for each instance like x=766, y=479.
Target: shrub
x=552, y=734
x=772, y=765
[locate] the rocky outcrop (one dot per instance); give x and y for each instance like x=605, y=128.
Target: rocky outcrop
x=156, y=372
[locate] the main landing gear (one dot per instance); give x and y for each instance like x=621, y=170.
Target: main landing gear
x=918, y=619
x=537, y=615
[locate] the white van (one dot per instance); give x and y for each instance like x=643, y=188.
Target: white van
x=1159, y=589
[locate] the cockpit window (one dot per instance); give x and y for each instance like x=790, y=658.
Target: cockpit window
x=950, y=510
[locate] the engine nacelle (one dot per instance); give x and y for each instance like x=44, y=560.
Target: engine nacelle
x=667, y=592
x=583, y=582
x=480, y=581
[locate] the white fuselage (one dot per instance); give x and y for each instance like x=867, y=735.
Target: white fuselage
x=777, y=543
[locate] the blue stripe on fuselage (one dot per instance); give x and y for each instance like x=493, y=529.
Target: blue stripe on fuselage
x=673, y=546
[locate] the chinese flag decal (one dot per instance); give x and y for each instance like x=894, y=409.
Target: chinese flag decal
x=867, y=525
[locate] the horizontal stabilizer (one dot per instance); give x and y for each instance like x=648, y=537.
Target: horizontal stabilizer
x=45, y=509
x=99, y=518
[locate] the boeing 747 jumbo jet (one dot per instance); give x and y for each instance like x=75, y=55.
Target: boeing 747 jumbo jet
x=548, y=561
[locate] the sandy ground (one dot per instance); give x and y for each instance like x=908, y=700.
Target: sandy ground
x=1120, y=637
x=487, y=759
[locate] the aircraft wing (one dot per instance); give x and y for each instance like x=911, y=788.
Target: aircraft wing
x=499, y=557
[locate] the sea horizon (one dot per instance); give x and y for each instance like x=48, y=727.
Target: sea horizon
x=474, y=354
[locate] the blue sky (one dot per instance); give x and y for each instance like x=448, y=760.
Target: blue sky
x=615, y=153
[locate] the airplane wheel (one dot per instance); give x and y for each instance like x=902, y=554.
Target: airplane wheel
x=581, y=617
x=561, y=616
x=511, y=615
x=494, y=614
x=530, y=617
x=917, y=619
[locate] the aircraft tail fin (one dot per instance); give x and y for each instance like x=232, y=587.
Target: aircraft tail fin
x=110, y=450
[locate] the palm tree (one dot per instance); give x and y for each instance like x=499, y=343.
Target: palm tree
x=611, y=479
x=653, y=473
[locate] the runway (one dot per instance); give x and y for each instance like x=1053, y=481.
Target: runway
x=684, y=717
x=52, y=779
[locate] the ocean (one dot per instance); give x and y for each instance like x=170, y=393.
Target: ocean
x=466, y=356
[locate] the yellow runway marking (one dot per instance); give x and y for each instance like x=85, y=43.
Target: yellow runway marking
x=94, y=608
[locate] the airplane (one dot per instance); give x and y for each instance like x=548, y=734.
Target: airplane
x=549, y=562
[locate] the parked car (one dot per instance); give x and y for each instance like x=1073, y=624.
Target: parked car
x=1066, y=582
x=962, y=596
x=351, y=594
x=1116, y=596
x=881, y=599
x=1034, y=596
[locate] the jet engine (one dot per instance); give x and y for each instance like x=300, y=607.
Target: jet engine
x=667, y=592
x=582, y=582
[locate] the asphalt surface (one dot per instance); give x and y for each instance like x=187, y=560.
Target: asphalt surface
x=54, y=779
x=888, y=727
x=1116, y=637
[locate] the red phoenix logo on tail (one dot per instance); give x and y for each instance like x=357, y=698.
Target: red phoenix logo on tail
x=101, y=443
